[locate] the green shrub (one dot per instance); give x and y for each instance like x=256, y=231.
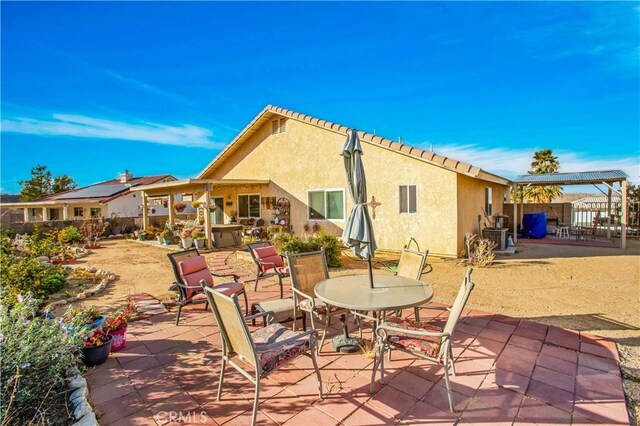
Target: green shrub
x=70, y=235
x=290, y=243
x=39, y=244
x=27, y=277
x=35, y=355
x=330, y=243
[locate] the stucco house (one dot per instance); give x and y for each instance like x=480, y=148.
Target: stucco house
x=282, y=153
x=102, y=199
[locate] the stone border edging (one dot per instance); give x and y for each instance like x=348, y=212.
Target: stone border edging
x=108, y=277
x=81, y=411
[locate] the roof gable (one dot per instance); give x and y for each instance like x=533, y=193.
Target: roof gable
x=393, y=146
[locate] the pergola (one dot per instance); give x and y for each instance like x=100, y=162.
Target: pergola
x=607, y=178
x=201, y=188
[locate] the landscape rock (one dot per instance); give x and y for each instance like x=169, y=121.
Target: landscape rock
x=77, y=382
x=82, y=409
x=88, y=420
x=79, y=393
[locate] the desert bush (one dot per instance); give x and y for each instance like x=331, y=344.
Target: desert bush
x=92, y=230
x=290, y=243
x=479, y=251
x=36, y=355
x=24, y=276
x=69, y=235
x=40, y=244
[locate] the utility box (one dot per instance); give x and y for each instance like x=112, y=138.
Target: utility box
x=497, y=235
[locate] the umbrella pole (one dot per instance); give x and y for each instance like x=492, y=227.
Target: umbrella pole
x=370, y=272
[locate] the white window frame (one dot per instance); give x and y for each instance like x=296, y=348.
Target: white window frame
x=91, y=216
x=248, y=209
x=81, y=211
x=408, y=200
x=488, y=200
x=325, y=190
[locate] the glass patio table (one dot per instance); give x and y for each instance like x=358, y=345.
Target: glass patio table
x=353, y=292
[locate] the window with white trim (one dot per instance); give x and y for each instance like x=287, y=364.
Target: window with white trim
x=95, y=212
x=325, y=204
x=78, y=212
x=408, y=199
x=249, y=205
x=54, y=214
x=488, y=201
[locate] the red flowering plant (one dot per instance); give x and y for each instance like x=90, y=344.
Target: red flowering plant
x=120, y=319
x=96, y=338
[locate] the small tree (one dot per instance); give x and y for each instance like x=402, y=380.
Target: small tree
x=92, y=230
x=63, y=183
x=38, y=186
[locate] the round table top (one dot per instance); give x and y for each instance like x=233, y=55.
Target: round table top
x=389, y=292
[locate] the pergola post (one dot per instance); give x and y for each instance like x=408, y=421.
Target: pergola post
x=515, y=213
x=172, y=214
x=145, y=213
x=608, y=213
x=623, y=224
x=207, y=216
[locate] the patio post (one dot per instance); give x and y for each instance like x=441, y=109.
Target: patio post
x=44, y=214
x=623, y=224
x=145, y=213
x=515, y=213
x=65, y=212
x=172, y=214
x=608, y=213
x=207, y=216
x=26, y=215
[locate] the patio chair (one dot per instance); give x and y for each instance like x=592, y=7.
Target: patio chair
x=422, y=339
x=263, y=351
x=189, y=267
x=307, y=270
x=269, y=263
x=411, y=265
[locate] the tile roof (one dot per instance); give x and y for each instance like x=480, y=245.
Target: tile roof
x=426, y=156
x=572, y=178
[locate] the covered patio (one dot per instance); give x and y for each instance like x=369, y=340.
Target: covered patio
x=201, y=191
x=608, y=178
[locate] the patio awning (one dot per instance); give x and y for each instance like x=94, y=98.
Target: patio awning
x=195, y=185
x=576, y=178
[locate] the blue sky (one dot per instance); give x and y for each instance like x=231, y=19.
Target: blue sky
x=91, y=89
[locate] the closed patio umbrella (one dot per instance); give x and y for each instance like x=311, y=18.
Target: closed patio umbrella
x=358, y=231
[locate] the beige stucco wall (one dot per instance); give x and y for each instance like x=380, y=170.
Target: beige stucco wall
x=306, y=157
x=471, y=204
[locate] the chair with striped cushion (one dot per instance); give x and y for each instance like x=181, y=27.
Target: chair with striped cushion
x=191, y=272
x=424, y=340
x=264, y=350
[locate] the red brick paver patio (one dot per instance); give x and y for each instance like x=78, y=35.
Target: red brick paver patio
x=510, y=371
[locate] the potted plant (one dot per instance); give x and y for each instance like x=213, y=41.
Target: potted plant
x=87, y=318
x=167, y=236
x=179, y=206
x=196, y=204
x=142, y=235
x=198, y=237
x=116, y=326
x=96, y=348
x=232, y=216
x=186, y=239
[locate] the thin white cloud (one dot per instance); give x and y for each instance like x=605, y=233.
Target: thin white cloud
x=87, y=127
x=512, y=162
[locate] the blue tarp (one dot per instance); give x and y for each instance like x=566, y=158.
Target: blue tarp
x=534, y=225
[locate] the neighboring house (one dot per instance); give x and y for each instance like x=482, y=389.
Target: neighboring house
x=435, y=199
x=9, y=215
x=102, y=199
x=592, y=210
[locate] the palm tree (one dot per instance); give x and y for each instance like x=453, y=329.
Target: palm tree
x=543, y=162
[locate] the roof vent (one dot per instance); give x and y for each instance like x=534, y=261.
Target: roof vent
x=125, y=177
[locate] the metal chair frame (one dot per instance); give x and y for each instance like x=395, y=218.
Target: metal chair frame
x=273, y=272
x=175, y=258
x=445, y=354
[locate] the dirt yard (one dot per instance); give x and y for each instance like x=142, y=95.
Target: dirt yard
x=588, y=289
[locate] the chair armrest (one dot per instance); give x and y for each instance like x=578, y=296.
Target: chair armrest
x=311, y=332
x=216, y=274
x=306, y=296
x=260, y=262
x=269, y=314
x=179, y=284
x=411, y=332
